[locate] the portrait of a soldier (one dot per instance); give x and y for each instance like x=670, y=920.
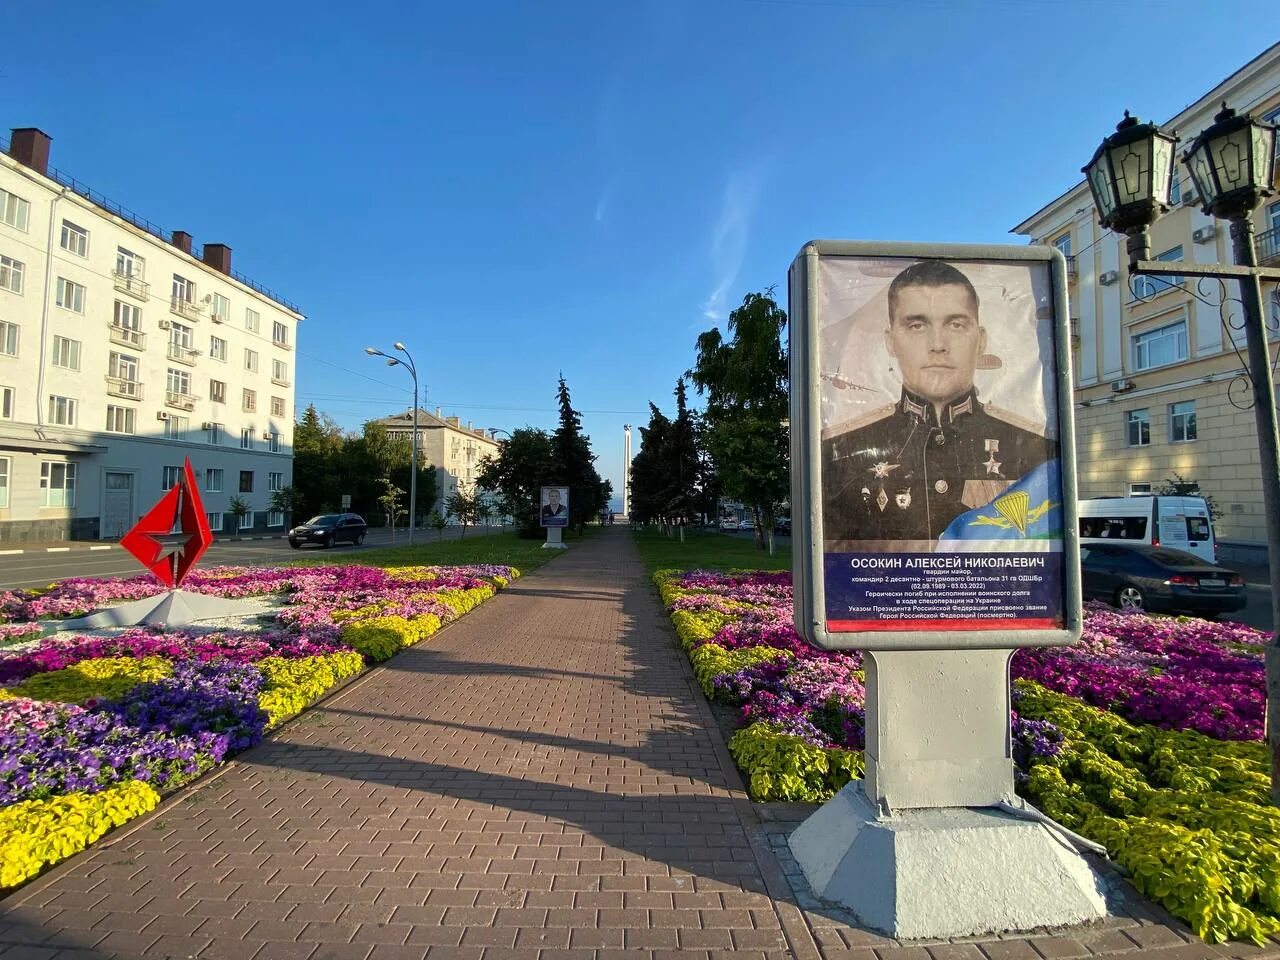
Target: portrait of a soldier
x=906, y=471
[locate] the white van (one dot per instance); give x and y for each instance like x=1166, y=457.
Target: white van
x=1181, y=523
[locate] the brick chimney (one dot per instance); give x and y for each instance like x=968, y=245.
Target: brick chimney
x=30, y=147
x=218, y=256
x=182, y=240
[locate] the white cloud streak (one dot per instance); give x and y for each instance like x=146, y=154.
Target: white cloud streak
x=730, y=236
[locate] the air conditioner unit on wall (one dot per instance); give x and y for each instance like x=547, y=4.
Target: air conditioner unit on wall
x=1204, y=234
x=163, y=324
x=1108, y=277
x=1189, y=195
x=162, y=415
x=1120, y=386
x=206, y=425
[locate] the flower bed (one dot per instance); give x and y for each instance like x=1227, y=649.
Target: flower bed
x=1144, y=737
x=95, y=728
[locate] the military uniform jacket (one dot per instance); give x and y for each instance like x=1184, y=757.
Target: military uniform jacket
x=906, y=476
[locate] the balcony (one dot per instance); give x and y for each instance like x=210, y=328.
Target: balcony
x=186, y=309
x=282, y=344
x=1269, y=247
x=132, y=284
x=280, y=381
x=128, y=337
x=180, y=401
x=181, y=354
x=1073, y=269
x=120, y=387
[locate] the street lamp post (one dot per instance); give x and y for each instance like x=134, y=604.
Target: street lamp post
x=408, y=364
x=1233, y=165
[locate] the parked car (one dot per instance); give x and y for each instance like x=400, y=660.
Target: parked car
x=782, y=525
x=328, y=529
x=728, y=523
x=1138, y=577
x=746, y=525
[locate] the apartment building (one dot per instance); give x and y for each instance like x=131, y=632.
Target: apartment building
x=443, y=442
x=123, y=350
x=1159, y=364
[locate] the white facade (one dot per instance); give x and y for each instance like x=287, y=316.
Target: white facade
x=120, y=355
x=453, y=449
x=1157, y=376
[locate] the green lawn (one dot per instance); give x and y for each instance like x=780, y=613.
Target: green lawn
x=505, y=548
x=707, y=550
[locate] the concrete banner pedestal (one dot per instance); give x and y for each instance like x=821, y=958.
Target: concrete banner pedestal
x=944, y=872
x=554, y=540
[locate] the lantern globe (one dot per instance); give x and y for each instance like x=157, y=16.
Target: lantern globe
x=1131, y=175
x=1233, y=164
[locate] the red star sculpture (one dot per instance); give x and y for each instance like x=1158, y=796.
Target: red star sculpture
x=170, y=556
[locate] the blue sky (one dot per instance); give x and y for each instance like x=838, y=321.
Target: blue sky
x=517, y=190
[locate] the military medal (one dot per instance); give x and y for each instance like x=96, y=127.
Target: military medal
x=903, y=499
x=942, y=486
x=866, y=495
x=883, y=469
x=992, y=464
x=882, y=500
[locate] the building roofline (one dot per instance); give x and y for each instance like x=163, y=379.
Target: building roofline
x=1216, y=92
x=70, y=186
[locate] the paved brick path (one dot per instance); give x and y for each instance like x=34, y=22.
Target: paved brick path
x=542, y=779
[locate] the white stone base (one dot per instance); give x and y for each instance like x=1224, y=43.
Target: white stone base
x=554, y=541
x=174, y=608
x=944, y=872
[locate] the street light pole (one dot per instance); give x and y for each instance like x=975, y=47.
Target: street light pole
x=1232, y=164
x=409, y=365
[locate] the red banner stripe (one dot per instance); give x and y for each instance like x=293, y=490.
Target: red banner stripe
x=882, y=626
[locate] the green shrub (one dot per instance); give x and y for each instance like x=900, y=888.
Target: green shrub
x=780, y=766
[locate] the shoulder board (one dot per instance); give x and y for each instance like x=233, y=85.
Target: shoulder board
x=1015, y=420
x=857, y=423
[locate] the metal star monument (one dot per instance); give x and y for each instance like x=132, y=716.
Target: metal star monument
x=167, y=541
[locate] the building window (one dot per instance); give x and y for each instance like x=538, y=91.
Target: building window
x=246, y=481
x=246, y=522
x=75, y=239
x=14, y=210
x=213, y=480
x=11, y=272
x=178, y=381
x=279, y=334
x=1175, y=190
x=1182, y=421
x=1146, y=287
x=249, y=401
x=275, y=518
x=121, y=419
x=220, y=309
x=8, y=338
x=218, y=349
x=273, y=442
x=215, y=433
x=251, y=360
x=251, y=319
x=184, y=290
x=176, y=428
x=215, y=521
x=1139, y=489
x=277, y=406
x=280, y=372
x=57, y=484
x=180, y=335
x=246, y=438
x=1160, y=347
x=70, y=295
x=1138, y=428
x=127, y=316
x=122, y=367
x=6, y=403
x=66, y=353
x=275, y=481
x=129, y=264
x=62, y=411
x=1063, y=243
x=4, y=481
x=169, y=477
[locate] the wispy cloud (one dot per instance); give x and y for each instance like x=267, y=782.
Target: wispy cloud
x=730, y=236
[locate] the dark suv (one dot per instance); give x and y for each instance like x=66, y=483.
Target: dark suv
x=328, y=528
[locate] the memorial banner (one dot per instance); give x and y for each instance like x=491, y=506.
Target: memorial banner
x=933, y=447
x=554, y=506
